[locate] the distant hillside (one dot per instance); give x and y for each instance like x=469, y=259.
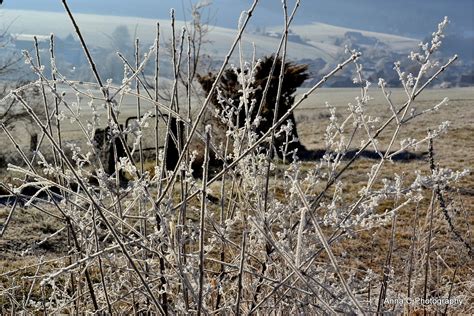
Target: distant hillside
x=401, y=17
x=319, y=45
x=317, y=40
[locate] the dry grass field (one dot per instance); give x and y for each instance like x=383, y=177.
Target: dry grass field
x=35, y=243
x=454, y=150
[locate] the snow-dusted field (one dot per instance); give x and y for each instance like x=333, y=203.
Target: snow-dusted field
x=318, y=37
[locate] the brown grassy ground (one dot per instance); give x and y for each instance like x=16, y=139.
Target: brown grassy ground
x=453, y=150
x=368, y=248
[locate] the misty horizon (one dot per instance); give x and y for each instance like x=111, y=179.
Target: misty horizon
x=370, y=15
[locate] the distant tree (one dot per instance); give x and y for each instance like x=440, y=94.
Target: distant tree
x=12, y=112
x=121, y=41
x=8, y=59
x=197, y=30
x=231, y=89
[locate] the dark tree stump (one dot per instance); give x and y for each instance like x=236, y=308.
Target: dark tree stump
x=106, y=149
x=231, y=89
x=172, y=153
x=33, y=142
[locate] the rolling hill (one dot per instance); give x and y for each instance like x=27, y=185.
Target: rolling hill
x=307, y=42
x=402, y=17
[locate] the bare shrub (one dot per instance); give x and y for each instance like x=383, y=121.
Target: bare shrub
x=255, y=237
